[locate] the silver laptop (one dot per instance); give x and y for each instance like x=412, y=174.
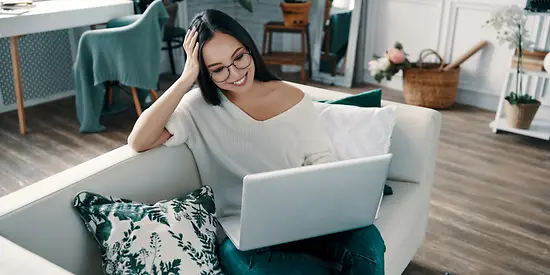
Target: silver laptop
x=305, y=202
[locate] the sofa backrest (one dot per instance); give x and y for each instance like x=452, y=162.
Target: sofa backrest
x=41, y=219
x=414, y=142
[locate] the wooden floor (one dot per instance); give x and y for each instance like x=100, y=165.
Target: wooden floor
x=490, y=209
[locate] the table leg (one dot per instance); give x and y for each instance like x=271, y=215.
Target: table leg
x=17, y=82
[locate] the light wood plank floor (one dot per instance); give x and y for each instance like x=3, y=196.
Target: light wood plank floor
x=490, y=209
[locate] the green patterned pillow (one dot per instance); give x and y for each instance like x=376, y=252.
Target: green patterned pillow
x=175, y=236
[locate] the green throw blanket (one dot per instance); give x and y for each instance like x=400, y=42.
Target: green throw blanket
x=128, y=54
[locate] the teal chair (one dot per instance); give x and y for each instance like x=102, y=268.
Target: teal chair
x=173, y=35
x=127, y=52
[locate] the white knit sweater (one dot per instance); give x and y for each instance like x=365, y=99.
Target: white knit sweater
x=228, y=144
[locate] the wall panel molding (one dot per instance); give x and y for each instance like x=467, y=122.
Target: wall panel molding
x=374, y=28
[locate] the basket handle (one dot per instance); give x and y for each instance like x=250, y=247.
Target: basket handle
x=428, y=52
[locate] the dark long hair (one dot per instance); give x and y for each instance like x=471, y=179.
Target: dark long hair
x=210, y=21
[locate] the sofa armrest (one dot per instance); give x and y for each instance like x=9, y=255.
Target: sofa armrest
x=148, y=177
x=64, y=179
x=15, y=260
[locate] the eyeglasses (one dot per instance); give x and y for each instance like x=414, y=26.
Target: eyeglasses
x=221, y=74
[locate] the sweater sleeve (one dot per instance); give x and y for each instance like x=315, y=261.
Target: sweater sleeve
x=180, y=125
x=318, y=146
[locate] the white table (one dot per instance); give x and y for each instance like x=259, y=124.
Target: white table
x=53, y=15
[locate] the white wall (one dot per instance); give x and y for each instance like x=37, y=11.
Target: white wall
x=450, y=27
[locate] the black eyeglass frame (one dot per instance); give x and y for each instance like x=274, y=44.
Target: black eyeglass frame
x=232, y=64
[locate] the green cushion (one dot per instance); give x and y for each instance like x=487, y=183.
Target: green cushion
x=372, y=98
x=367, y=99
x=168, y=237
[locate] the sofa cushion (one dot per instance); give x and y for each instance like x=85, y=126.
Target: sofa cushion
x=168, y=237
x=414, y=139
x=371, y=98
x=357, y=132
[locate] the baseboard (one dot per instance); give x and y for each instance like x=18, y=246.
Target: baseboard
x=37, y=101
x=481, y=100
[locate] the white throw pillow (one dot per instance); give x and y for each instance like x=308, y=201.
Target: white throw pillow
x=357, y=131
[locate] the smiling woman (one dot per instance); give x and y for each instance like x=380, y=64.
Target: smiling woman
x=222, y=40
x=243, y=120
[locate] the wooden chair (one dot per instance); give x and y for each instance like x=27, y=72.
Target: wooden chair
x=287, y=58
x=135, y=97
x=173, y=36
x=325, y=49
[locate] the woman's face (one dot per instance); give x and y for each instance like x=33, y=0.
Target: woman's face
x=228, y=62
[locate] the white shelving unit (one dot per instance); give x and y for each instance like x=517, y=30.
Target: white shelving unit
x=540, y=128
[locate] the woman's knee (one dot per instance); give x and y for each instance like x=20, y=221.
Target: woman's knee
x=227, y=247
x=232, y=260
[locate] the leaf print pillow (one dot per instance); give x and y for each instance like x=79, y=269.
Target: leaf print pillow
x=175, y=236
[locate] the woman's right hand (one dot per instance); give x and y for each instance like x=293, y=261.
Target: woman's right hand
x=150, y=128
x=191, y=47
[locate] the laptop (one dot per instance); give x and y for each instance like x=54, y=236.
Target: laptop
x=299, y=203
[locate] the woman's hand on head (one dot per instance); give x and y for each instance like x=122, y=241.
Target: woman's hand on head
x=191, y=47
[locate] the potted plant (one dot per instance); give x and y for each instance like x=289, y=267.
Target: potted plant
x=295, y=12
x=509, y=22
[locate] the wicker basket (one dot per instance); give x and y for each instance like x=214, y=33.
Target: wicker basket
x=427, y=85
x=296, y=14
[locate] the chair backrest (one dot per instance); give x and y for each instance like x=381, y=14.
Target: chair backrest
x=141, y=5
x=171, y=7
x=172, y=10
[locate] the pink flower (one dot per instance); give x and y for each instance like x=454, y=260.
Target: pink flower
x=396, y=56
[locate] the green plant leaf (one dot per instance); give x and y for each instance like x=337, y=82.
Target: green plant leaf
x=246, y=4
x=398, y=46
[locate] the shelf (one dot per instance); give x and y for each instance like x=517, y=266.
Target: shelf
x=543, y=74
x=539, y=128
x=534, y=13
x=285, y=58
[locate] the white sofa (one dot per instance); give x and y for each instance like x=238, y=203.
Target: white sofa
x=40, y=233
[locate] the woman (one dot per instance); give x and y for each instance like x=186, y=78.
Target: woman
x=241, y=120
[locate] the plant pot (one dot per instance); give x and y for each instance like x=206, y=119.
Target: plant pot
x=520, y=115
x=296, y=14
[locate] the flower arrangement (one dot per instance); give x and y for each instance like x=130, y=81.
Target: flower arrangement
x=509, y=23
x=394, y=60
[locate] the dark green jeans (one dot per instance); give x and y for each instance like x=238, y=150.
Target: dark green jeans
x=355, y=252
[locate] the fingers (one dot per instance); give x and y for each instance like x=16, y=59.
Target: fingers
x=196, y=51
x=190, y=39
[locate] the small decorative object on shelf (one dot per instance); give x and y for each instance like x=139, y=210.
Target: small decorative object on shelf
x=295, y=12
x=538, y=5
x=547, y=62
x=531, y=60
x=509, y=22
